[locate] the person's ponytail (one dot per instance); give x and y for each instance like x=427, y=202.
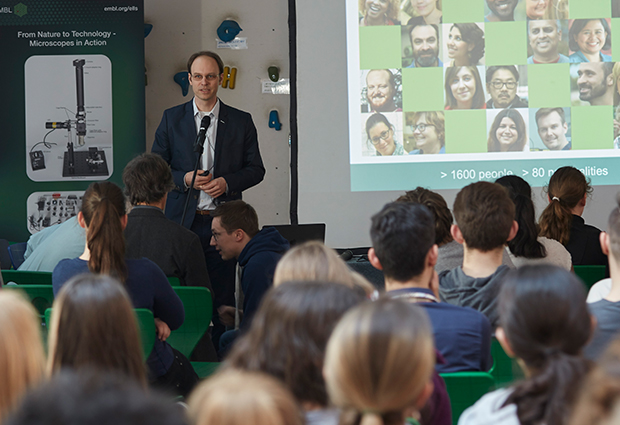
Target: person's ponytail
x=566, y=189
x=555, y=221
x=544, y=397
x=103, y=208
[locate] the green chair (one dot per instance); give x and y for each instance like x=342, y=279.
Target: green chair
x=589, y=275
x=174, y=281
x=146, y=327
x=505, y=369
x=466, y=388
x=198, y=310
x=41, y=296
x=27, y=278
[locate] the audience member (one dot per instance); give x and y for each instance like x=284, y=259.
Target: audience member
x=379, y=362
x=561, y=220
x=403, y=246
x=607, y=310
x=93, y=326
x=46, y=248
x=287, y=340
x=484, y=223
x=544, y=322
x=450, y=253
x=236, y=235
x=103, y=216
x=22, y=358
x=149, y=234
x=313, y=261
x=90, y=397
x=600, y=395
x=527, y=247
x=243, y=398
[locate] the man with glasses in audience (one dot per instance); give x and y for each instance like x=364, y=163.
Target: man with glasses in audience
x=502, y=84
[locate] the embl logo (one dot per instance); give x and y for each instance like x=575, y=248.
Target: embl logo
x=20, y=9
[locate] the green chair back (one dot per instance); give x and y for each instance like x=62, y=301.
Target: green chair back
x=505, y=369
x=466, y=388
x=146, y=327
x=27, y=278
x=174, y=281
x=589, y=275
x=41, y=296
x=198, y=310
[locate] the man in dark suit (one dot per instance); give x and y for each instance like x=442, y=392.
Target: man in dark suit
x=231, y=161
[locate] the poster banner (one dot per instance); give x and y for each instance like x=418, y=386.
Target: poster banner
x=72, y=105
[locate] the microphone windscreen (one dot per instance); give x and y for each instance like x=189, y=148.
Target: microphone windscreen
x=347, y=255
x=205, y=123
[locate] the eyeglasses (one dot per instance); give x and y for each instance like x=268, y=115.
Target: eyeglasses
x=215, y=235
x=209, y=77
x=499, y=84
x=419, y=127
x=383, y=136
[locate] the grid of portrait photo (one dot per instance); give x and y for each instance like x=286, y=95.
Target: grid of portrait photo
x=475, y=76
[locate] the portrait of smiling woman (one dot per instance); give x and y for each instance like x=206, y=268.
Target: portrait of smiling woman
x=464, y=44
x=508, y=132
x=464, y=88
x=381, y=136
x=423, y=11
x=378, y=12
x=427, y=131
x=587, y=38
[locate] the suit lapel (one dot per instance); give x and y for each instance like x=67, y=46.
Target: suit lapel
x=190, y=123
x=219, y=138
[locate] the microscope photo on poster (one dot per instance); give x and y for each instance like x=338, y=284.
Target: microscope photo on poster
x=68, y=117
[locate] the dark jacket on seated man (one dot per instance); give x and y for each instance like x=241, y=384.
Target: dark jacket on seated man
x=175, y=249
x=462, y=335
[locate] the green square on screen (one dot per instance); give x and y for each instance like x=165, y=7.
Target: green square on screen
x=462, y=11
x=548, y=85
x=615, y=40
x=592, y=127
x=380, y=47
x=581, y=9
x=423, y=89
x=506, y=43
x=466, y=131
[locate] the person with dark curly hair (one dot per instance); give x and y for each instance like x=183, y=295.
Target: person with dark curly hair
x=378, y=12
x=465, y=44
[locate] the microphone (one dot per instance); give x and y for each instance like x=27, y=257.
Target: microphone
x=347, y=255
x=202, y=133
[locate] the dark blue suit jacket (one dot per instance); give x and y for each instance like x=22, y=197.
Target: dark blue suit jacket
x=237, y=157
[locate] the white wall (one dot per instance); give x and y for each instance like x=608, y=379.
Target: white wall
x=182, y=28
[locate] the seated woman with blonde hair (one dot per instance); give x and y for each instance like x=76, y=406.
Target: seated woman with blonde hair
x=22, y=358
x=235, y=397
x=379, y=362
x=315, y=261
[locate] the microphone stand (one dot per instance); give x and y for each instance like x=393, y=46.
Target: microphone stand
x=199, y=148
